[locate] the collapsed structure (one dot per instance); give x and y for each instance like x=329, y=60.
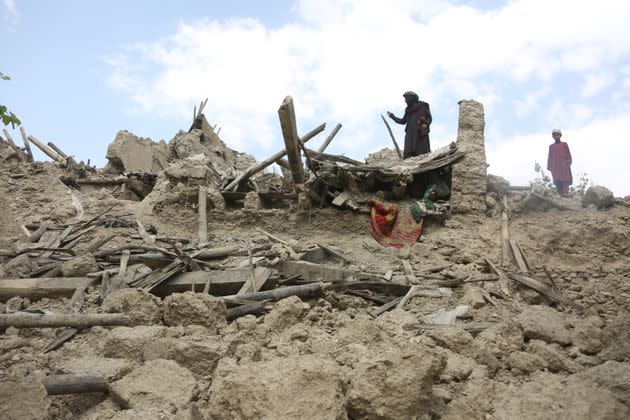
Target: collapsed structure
x=183, y=281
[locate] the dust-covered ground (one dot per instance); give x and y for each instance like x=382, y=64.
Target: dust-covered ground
x=328, y=357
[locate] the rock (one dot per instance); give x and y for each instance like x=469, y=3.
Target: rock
x=195, y=309
x=545, y=323
x=110, y=368
x=454, y=339
x=26, y=399
x=525, y=363
x=491, y=203
x=616, y=336
x=473, y=297
x=457, y=368
x=469, y=178
x=252, y=201
x=600, y=196
x=498, y=184
x=128, y=342
x=552, y=358
x=380, y=386
x=79, y=266
x=285, y=312
x=215, y=198
x=199, y=354
x=588, y=338
x=140, y=306
x=292, y=387
x=19, y=267
x=612, y=375
x=128, y=153
x=158, y=384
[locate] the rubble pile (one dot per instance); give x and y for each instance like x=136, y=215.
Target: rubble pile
x=183, y=281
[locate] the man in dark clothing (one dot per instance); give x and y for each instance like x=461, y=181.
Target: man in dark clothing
x=418, y=124
x=559, y=163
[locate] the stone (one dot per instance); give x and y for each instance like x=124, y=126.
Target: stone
x=129, y=342
x=616, y=339
x=469, y=177
x=491, y=203
x=111, y=369
x=129, y=153
x=17, y=268
x=525, y=363
x=458, y=367
x=285, y=313
x=381, y=386
x=215, y=199
x=552, y=358
x=199, y=354
x=195, y=309
x=306, y=387
x=498, y=184
x=454, y=339
x=24, y=399
x=79, y=266
x=544, y=323
x=473, y=297
x=158, y=384
x=588, y=338
x=599, y=196
x=252, y=201
x=612, y=375
x=140, y=306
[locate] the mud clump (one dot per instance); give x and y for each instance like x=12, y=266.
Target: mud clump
x=17, y=268
x=79, y=266
x=26, y=399
x=544, y=323
x=199, y=354
x=140, y=306
x=195, y=309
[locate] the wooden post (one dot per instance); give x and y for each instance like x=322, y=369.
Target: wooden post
x=47, y=150
x=202, y=225
x=391, y=134
x=30, y=320
x=329, y=138
x=58, y=150
x=257, y=167
x=286, y=113
x=74, y=384
x=505, y=235
x=307, y=290
x=20, y=154
x=27, y=146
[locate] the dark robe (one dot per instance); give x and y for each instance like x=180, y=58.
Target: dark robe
x=559, y=163
x=416, y=139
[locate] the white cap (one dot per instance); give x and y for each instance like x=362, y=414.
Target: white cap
x=556, y=130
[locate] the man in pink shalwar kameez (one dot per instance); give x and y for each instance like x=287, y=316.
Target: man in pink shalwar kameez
x=559, y=163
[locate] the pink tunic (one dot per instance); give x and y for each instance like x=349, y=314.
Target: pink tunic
x=559, y=162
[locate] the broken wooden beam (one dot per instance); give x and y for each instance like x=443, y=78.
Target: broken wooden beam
x=247, y=309
x=391, y=134
x=411, y=293
x=19, y=152
x=31, y=320
x=505, y=235
x=74, y=384
x=37, y=288
x=27, y=146
x=305, y=291
x=471, y=327
x=550, y=201
x=504, y=282
x=317, y=272
x=331, y=136
x=202, y=224
x=47, y=150
x=286, y=114
x=544, y=290
x=520, y=261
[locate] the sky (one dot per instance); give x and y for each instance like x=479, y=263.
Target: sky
x=81, y=71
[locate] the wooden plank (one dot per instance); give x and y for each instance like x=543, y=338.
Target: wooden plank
x=74, y=384
x=525, y=259
x=286, y=114
x=332, y=135
x=386, y=307
x=66, y=334
x=47, y=150
x=391, y=134
x=58, y=150
x=411, y=293
x=255, y=282
x=37, y=288
x=544, y=290
x=334, y=253
x=247, y=309
x=316, y=272
x=27, y=146
x=31, y=320
x=305, y=291
x=505, y=236
x=202, y=224
x=504, y=282
x=259, y=166
x=333, y=158
x=472, y=327
x=520, y=261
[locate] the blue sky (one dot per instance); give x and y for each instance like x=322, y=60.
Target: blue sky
x=84, y=70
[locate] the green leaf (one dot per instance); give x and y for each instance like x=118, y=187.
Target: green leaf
x=3, y=109
x=4, y=76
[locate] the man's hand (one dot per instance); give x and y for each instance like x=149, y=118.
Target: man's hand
x=390, y=114
x=424, y=126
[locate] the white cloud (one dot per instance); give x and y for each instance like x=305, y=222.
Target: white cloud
x=11, y=13
x=595, y=83
x=350, y=60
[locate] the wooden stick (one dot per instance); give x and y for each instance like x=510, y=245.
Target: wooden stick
x=411, y=293
x=146, y=238
x=275, y=238
x=257, y=167
x=472, y=327
x=304, y=291
x=411, y=277
x=202, y=225
x=286, y=114
x=504, y=282
x=520, y=261
x=74, y=384
x=78, y=207
x=505, y=235
x=36, y=236
x=242, y=310
x=256, y=281
x=66, y=334
x=20, y=154
x=47, y=150
x=391, y=134
x=29, y=320
x=544, y=290
x=27, y=146
x=58, y=150
x=386, y=307
x=329, y=138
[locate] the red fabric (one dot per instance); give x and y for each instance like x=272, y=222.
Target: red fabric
x=393, y=226
x=559, y=162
